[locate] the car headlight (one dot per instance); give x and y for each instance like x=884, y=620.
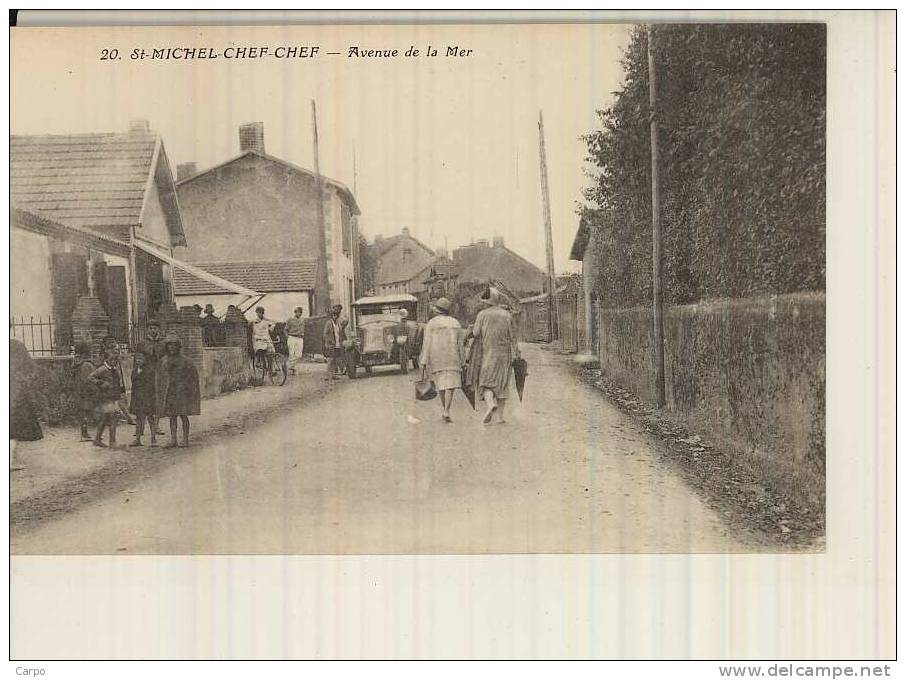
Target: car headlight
x=401, y=339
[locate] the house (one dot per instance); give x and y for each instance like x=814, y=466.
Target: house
x=286, y=284
x=397, y=260
x=256, y=208
x=583, y=251
x=92, y=215
x=480, y=262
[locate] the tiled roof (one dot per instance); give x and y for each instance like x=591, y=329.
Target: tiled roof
x=29, y=221
x=87, y=180
x=265, y=277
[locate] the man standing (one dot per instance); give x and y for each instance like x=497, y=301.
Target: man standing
x=332, y=341
x=210, y=327
x=261, y=333
x=295, y=338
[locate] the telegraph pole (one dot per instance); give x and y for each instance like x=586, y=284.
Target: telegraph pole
x=322, y=294
x=657, y=305
x=548, y=233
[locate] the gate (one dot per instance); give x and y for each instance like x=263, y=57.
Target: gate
x=569, y=331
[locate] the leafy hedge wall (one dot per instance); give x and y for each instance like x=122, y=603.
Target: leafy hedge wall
x=741, y=112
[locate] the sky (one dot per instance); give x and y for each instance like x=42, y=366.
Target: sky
x=446, y=146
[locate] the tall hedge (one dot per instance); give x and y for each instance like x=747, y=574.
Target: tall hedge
x=741, y=113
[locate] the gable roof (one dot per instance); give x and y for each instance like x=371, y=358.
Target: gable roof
x=394, y=271
x=266, y=277
x=580, y=242
x=97, y=180
x=339, y=186
x=481, y=263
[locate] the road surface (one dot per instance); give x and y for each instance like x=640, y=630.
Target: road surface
x=367, y=469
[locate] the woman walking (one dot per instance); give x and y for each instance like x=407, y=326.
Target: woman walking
x=178, y=392
x=441, y=356
x=499, y=347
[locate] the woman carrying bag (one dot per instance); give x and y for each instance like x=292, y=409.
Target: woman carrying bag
x=441, y=357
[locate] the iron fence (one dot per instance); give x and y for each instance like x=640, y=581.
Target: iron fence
x=40, y=335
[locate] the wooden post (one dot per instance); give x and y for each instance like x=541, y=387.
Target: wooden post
x=548, y=234
x=657, y=306
x=322, y=284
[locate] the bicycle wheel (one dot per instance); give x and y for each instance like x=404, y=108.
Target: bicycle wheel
x=281, y=370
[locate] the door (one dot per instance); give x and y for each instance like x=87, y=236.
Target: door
x=69, y=281
x=117, y=302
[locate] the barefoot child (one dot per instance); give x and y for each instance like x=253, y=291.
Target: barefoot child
x=143, y=402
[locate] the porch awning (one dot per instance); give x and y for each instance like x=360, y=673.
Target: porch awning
x=196, y=271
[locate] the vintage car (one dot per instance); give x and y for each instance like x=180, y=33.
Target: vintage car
x=383, y=335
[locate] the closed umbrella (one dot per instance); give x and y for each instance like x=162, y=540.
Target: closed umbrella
x=470, y=371
x=520, y=370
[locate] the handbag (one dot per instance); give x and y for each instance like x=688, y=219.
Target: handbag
x=424, y=389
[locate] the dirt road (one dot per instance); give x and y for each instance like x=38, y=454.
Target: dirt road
x=366, y=469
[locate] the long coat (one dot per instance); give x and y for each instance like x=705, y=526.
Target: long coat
x=144, y=388
x=499, y=346
x=441, y=347
x=178, y=389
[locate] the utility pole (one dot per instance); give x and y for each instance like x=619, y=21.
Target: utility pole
x=548, y=233
x=322, y=293
x=657, y=305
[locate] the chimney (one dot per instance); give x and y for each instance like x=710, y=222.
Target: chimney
x=139, y=126
x=498, y=241
x=251, y=137
x=405, y=231
x=482, y=242
x=184, y=170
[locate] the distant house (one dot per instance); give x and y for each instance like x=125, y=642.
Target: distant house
x=583, y=251
x=92, y=215
x=480, y=262
x=256, y=208
x=397, y=260
x=287, y=284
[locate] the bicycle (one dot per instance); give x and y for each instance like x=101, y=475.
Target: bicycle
x=273, y=361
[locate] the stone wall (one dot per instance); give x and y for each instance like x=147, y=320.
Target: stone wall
x=748, y=374
x=224, y=369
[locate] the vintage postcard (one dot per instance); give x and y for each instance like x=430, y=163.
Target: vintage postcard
x=511, y=288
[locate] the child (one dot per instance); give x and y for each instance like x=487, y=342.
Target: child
x=122, y=411
x=109, y=385
x=142, y=404
x=178, y=389
x=82, y=368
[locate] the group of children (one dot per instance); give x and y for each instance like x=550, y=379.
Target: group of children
x=164, y=384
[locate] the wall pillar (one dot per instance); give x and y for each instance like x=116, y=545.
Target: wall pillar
x=90, y=323
x=187, y=326
x=235, y=329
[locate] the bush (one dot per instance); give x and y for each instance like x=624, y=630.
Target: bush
x=741, y=114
